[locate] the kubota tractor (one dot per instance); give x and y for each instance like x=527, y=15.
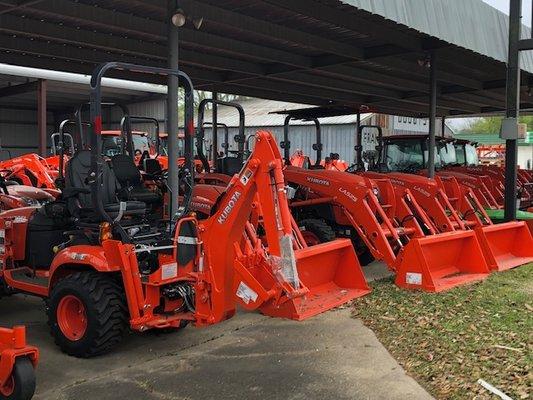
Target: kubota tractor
x=449, y=206
x=102, y=265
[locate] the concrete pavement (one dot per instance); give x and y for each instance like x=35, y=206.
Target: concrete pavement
x=248, y=357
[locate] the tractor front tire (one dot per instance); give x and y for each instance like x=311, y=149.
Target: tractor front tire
x=87, y=314
x=21, y=383
x=315, y=231
x=364, y=255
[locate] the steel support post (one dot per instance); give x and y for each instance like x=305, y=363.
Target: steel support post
x=512, y=108
x=41, y=116
x=214, y=124
x=432, y=114
x=358, y=146
x=172, y=108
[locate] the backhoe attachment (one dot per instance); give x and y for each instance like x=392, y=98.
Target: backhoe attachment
x=277, y=275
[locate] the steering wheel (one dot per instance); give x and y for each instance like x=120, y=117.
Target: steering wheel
x=410, y=168
x=351, y=169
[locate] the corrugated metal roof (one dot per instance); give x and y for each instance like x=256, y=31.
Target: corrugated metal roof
x=471, y=24
x=257, y=112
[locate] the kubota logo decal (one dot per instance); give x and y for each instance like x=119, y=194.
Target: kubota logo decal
x=318, y=181
x=422, y=191
x=198, y=205
x=229, y=207
x=348, y=194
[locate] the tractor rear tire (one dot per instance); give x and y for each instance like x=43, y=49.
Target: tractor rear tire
x=22, y=381
x=316, y=231
x=87, y=314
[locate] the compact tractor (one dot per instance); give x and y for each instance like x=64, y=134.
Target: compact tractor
x=102, y=265
x=451, y=207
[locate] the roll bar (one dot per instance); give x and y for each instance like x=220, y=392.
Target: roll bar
x=247, y=150
x=239, y=138
x=225, y=144
x=360, y=166
x=60, y=181
x=125, y=128
x=286, y=144
x=126, y=145
x=61, y=143
x=96, y=140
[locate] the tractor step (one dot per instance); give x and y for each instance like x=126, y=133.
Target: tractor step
x=23, y=279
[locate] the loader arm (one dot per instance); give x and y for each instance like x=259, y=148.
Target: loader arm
x=358, y=204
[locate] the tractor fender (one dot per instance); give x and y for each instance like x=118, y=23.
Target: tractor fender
x=84, y=256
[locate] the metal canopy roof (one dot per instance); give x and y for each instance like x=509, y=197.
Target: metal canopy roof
x=318, y=52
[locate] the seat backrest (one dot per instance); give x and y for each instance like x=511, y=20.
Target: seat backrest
x=77, y=172
x=126, y=171
x=229, y=165
x=152, y=166
x=144, y=156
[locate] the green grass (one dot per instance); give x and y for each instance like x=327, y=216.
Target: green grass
x=447, y=341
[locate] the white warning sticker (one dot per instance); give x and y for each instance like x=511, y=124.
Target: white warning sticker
x=245, y=177
x=413, y=278
x=245, y=293
x=169, y=271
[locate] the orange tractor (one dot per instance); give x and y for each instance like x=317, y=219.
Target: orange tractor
x=451, y=207
x=103, y=266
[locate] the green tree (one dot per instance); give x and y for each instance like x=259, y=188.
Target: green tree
x=493, y=124
x=199, y=95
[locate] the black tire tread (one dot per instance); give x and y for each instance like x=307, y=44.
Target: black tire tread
x=320, y=228
x=108, y=299
x=24, y=376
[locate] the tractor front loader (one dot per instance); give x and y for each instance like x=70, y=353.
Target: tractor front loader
x=29, y=169
x=391, y=225
x=453, y=207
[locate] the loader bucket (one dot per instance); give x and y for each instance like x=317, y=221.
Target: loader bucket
x=506, y=245
x=440, y=262
x=331, y=273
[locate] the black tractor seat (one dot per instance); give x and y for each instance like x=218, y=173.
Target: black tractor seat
x=77, y=192
x=129, y=178
x=229, y=165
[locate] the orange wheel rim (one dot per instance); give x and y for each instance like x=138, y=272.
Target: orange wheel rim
x=72, y=317
x=310, y=238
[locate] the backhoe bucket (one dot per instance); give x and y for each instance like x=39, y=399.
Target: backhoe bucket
x=331, y=273
x=440, y=262
x=506, y=245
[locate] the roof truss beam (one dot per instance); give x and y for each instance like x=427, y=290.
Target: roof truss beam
x=18, y=89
